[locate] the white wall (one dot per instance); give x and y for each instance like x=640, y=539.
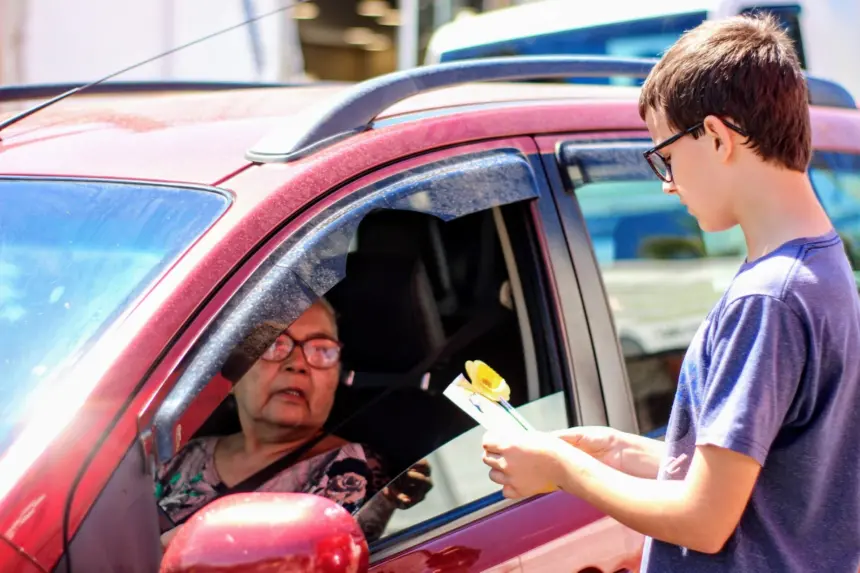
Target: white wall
x=46, y=41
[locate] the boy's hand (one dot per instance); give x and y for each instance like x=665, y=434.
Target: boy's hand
x=600, y=442
x=634, y=455
x=525, y=464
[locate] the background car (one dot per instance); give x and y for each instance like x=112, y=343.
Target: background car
x=446, y=218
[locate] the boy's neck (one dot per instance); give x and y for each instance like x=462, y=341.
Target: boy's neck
x=776, y=206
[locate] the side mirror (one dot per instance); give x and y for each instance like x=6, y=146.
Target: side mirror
x=256, y=532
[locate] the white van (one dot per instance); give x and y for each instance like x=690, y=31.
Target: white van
x=824, y=31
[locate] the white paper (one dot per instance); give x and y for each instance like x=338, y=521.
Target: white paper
x=491, y=415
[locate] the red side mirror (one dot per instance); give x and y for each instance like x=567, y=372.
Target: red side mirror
x=261, y=532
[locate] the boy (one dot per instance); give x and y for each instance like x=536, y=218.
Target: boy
x=759, y=470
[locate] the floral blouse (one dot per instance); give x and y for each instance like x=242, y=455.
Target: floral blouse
x=349, y=476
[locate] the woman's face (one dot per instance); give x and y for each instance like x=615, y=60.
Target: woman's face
x=287, y=391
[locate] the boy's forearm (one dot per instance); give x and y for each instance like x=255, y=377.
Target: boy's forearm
x=658, y=509
x=641, y=456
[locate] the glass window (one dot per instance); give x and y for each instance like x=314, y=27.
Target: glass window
x=662, y=275
x=73, y=257
x=460, y=478
x=836, y=178
x=461, y=484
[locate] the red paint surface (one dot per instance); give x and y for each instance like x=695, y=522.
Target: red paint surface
x=13, y=561
x=201, y=138
x=264, y=532
x=497, y=538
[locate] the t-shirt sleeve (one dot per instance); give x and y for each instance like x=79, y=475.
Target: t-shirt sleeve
x=757, y=361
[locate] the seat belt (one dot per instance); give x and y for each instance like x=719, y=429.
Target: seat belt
x=466, y=334
x=484, y=321
x=263, y=475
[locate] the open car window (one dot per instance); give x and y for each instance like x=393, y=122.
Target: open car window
x=460, y=478
x=314, y=259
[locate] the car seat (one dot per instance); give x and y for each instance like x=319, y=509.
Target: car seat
x=390, y=325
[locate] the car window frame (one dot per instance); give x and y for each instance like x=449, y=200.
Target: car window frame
x=356, y=193
x=613, y=379
x=540, y=216
x=164, y=376
x=585, y=405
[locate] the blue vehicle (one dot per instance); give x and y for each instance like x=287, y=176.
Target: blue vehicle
x=823, y=31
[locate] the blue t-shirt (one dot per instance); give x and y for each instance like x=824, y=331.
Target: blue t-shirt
x=774, y=373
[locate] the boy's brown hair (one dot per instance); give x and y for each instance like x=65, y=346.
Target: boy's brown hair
x=745, y=69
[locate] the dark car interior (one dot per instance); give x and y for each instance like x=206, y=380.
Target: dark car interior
x=421, y=296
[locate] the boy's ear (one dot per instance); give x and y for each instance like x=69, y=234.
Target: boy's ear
x=720, y=136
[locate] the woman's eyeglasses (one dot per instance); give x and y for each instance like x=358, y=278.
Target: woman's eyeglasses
x=320, y=352
x=661, y=165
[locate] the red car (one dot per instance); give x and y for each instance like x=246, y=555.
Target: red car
x=142, y=235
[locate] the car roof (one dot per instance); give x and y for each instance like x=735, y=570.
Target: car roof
x=202, y=137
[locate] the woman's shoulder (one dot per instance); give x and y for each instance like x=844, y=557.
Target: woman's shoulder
x=196, y=453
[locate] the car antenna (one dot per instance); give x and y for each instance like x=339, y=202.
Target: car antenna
x=38, y=107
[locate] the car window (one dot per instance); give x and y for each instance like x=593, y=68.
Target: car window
x=836, y=179
x=425, y=269
x=789, y=16
x=448, y=285
x=643, y=37
x=460, y=478
x=74, y=255
x=662, y=274
x=474, y=251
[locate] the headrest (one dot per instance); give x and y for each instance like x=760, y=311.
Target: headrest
x=388, y=318
x=393, y=232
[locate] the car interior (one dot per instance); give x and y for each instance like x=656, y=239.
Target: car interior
x=420, y=298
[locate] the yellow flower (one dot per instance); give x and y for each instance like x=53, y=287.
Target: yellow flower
x=487, y=381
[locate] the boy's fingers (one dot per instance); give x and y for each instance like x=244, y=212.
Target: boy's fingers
x=573, y=436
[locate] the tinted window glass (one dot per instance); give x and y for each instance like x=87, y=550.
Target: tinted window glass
x=460, y=478
x=73, y=257
x=640, y=38
x=662, y=274
x=836, y=178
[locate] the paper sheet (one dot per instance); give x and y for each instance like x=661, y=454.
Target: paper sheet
x=491, y=415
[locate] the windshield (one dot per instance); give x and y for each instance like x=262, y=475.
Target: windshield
x=73, y=256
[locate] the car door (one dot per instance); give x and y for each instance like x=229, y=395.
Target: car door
x=502, y=183
x=648, y=274
x=479, y=531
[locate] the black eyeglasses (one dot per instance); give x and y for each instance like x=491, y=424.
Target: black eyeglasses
x=320, y=351
x=661, y=165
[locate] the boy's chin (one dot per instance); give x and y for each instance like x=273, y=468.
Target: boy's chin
x=710, y=226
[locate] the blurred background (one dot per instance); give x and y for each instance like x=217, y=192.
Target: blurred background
x=49, y=41
x=60, y=41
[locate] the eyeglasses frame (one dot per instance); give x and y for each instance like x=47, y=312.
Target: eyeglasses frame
x=669, y=141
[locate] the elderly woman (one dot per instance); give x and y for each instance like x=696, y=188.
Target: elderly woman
x=283, y=401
